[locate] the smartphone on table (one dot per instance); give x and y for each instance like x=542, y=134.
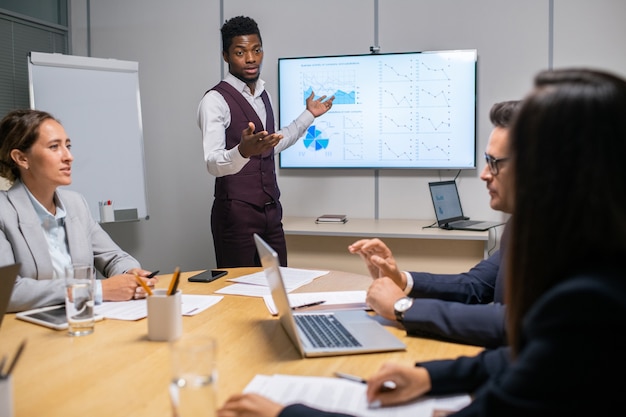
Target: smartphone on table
x=208, y=276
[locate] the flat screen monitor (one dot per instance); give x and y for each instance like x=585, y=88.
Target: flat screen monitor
x=412, y=110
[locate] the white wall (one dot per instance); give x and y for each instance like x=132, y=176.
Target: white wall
x=177, y=45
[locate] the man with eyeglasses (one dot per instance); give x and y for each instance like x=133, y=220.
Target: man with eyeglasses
x=463, y=308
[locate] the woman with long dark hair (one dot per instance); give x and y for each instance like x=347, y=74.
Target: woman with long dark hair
x=566, y=283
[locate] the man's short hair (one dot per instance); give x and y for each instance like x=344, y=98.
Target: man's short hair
x=238, y=26
x=501, y=114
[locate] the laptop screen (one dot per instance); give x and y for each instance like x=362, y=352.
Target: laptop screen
x=269, y=260
x=446, y=201
x=368, y=335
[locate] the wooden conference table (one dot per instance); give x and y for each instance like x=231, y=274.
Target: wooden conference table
x=117, y=371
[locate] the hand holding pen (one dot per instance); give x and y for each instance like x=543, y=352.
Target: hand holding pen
x=410, y=382
x=385, y=387
x=143, y=285
x=378, y=387
x=143, y=279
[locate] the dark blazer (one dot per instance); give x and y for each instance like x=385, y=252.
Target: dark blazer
x=459, y=308
x=463, y=308
x=572, y=351
x=300, y=410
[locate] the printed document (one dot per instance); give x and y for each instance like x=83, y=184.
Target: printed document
x=192, y=304
x=340, y=395
x=255, y=285
x=325, y=300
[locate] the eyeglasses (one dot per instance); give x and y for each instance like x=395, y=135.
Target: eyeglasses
x=493, y=163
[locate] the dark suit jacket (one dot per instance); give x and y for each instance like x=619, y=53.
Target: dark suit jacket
x=463, y=308
x=573, y=349
x=459, y=308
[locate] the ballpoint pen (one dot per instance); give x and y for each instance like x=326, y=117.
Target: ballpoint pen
x=14, y=361
x=316, y=303
x=387, y=385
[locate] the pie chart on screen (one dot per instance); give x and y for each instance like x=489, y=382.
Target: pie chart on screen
x=314, y=140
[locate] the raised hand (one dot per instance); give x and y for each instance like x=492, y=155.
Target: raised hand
x=319, y=106
x=257, y=143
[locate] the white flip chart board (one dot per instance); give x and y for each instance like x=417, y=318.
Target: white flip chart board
x=98, y=103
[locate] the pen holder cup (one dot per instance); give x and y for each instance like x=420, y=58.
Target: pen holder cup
x=6, y=397
x=165, y=318
x=107, y=214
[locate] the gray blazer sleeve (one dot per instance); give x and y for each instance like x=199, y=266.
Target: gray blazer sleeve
x=22, y=240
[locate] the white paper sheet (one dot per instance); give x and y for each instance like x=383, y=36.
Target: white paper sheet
x=192, y=304
x=293, y=277
x=333, y=300
x=255, y=285
x=340, y=395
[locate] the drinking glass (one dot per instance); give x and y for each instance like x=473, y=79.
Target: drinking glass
x=80, y=284
x=194, y=376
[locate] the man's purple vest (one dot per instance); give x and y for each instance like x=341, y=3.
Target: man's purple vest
x=256, y=182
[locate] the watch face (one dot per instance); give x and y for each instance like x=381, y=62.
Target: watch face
x=403, y=304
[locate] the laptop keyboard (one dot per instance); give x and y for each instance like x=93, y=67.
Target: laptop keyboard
x=324, y=330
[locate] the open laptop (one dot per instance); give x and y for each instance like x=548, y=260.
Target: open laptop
x=448, y=209
x=353, y=331
x=8, y=274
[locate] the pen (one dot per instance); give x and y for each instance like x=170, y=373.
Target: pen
x=15, y=359
x=143, y=285
x=153, y=274
x=316, y=303
x=387, y=385
x=174, y=282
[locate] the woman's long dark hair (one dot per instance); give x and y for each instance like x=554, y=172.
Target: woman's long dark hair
x=569, y=146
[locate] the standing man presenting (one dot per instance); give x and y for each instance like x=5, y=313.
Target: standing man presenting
x=240, y=140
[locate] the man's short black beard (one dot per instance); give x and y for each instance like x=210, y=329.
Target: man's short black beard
x=248, y=80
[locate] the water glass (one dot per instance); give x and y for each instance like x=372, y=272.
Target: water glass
x=80, y=282
x=194, y=377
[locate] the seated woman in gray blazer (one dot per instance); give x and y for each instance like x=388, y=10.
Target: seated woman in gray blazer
x=45, y=228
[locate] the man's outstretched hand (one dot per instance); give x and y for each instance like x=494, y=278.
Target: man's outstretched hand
x=257, y=143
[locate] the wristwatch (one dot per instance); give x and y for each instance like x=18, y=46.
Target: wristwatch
x=402, y=306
